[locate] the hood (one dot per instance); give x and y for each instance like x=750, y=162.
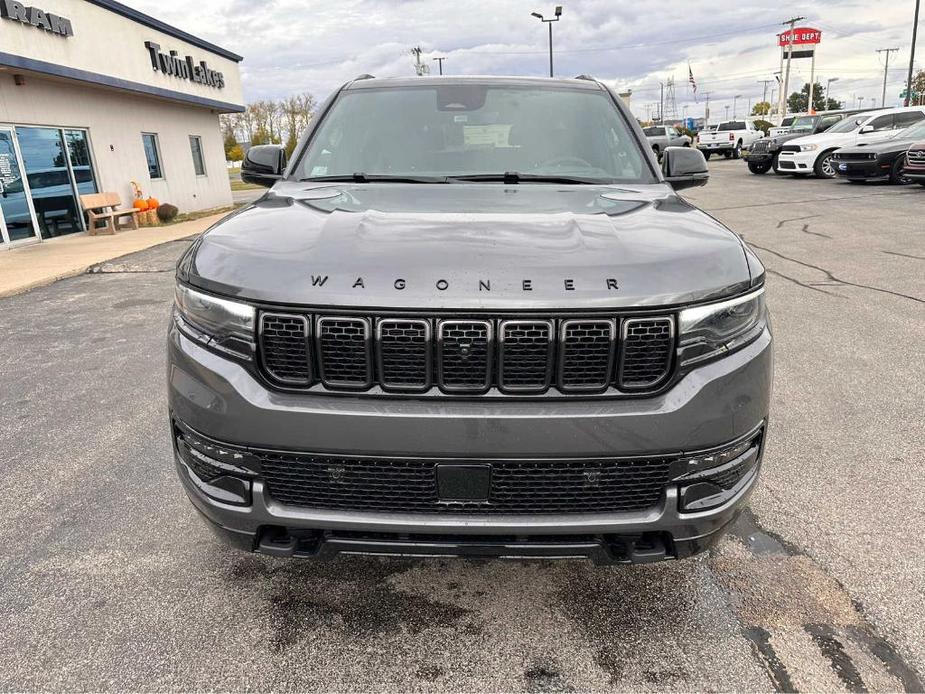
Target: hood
x=469, y=246
x=881, y=147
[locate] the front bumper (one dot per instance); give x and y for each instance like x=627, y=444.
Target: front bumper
x=797, y=162
x=872, y=170
x=715, y=404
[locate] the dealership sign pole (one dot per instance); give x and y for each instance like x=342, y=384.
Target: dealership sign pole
x=804, y=39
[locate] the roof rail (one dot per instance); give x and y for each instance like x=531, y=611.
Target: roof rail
x=364, y=76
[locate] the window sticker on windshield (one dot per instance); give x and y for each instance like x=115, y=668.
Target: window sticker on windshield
x=493, y=135
x=319, y=170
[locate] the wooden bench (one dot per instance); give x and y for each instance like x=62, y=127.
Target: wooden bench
x=103, y=207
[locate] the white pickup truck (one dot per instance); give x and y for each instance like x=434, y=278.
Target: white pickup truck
x=730, y=138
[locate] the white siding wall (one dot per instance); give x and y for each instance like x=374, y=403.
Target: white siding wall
x=115, y=120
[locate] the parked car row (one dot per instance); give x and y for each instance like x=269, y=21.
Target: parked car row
x=858, y=145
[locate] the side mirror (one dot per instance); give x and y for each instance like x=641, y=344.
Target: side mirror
x=263, y=165
x=684, y=167
x=867, y=129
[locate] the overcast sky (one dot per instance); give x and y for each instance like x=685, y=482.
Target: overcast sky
x=295, y=45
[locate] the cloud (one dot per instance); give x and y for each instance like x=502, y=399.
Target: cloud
x=292, y=46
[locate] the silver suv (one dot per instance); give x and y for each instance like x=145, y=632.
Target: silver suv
x=470, y=317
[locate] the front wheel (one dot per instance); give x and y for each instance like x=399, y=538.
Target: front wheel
x=759, y=167
x=896, y=174
x=825, y=167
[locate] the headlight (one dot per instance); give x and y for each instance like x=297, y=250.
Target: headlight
x=716, y=329
x=808, y=148
x=219, y=323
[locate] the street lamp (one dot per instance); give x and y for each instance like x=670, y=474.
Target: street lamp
x=439, y=62
x=557, y=14
x=727, y=111
x=828, y=84
x=734, y=100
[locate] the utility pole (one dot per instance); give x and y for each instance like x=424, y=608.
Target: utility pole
x=764, y=94
x=439, y=62
x=420, y=68
x=661, y=102
x=735, y=100
x=915, y=26
x=828, y=88
x=706, y=109
x=786, y=87
x=886, y=67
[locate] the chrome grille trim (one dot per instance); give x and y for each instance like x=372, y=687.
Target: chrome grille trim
x=595, y=374
x=509, y=370
x=334, y=358
x=916, y=155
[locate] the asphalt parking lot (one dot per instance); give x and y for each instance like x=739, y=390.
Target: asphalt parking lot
x=108, y=580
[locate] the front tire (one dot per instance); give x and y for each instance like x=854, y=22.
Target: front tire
x=824, y=168
x=759, y=168
x=896, y=174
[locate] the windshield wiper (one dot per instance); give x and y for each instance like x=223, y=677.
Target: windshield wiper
x=512, y=177
x=360, y=177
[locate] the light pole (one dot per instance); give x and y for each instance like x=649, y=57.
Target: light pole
x=734, y=100
x=828, y=85
x=915, y=26
x=439, y=62
x=557, y=14
x=727, y=111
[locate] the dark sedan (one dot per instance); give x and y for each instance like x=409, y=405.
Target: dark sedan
x=879, y=161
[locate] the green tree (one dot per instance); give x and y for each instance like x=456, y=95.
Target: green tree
x=797, y=102
x=291, y=141
x=762, y=108
x=235, y=153
x=918, y=88
x=230, y=144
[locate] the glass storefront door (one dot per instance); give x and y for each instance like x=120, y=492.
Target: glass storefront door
x=49, y=173
x=17, y=221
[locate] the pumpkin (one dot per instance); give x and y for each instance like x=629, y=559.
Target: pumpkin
x=153, y=203
x=140, y=205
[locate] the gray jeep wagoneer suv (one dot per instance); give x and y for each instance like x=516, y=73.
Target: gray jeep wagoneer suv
x=470, y=317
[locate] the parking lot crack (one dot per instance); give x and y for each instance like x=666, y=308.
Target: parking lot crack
x=796, y=219
x=833, y=277
x=904, y=255
x=802, y=284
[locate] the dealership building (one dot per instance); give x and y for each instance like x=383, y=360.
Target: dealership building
x=95, y=95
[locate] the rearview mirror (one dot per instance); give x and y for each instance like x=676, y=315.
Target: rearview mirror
x=263, y=165
x=684, y=167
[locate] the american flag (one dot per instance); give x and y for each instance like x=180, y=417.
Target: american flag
x=692, y=80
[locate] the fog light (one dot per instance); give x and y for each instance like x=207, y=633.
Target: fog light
x=712, y=479
x=211, y=469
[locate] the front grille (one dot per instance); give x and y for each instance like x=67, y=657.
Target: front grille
x=410, y=485
x=855, y=156
x=646, y=355
x=344, y=348
x=760, y=146
x=468, y=356
x=791, y=148
x=916, y=155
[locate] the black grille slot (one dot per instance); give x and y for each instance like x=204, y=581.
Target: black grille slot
x=344, y=352
x=648, y=344
x=284, y=342
x=404, y=354
x=464, y=353
x=586, y=354
x=525, y=356
x=409, y=485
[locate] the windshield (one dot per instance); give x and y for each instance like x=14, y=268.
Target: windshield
x=804, y=124
x=469, y=129
x=848, y=125
x=787, y=121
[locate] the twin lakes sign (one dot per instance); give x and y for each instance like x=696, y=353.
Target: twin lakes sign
x=52, y=23
x=185, y=68
x=804, y=41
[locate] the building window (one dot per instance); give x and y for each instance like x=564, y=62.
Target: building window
x=153, y=155
x=199, y=164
